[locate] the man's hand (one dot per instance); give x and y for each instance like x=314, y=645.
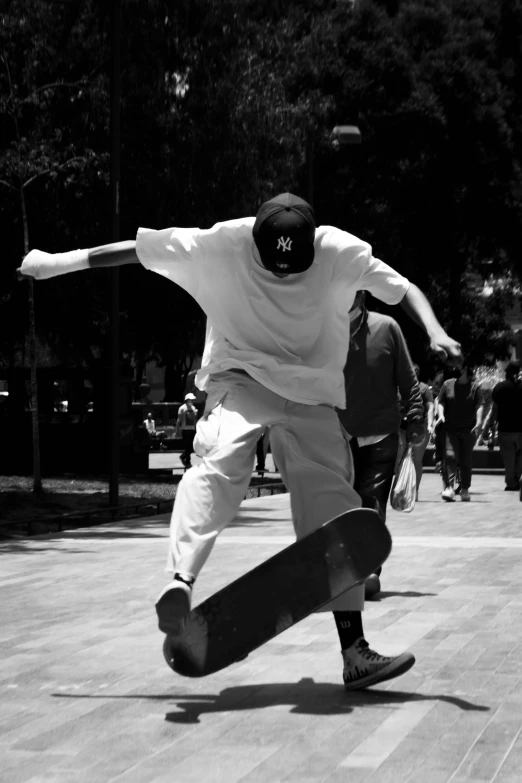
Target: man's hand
x=420, y=310
x=477, y=430
x=447, y=349
x=34, y=266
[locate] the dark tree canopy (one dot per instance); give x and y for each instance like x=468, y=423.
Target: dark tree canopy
x=219, y=98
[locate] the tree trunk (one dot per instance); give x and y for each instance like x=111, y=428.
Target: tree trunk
x=37, y=470
x=455, y=296
x=139, y=374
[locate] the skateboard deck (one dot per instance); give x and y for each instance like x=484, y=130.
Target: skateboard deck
x=278, y=593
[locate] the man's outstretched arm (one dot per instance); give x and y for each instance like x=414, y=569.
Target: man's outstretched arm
x=419, y=309
x=115, y=254
x=42, y=266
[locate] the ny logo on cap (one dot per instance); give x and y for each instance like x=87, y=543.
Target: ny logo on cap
x=284, y=244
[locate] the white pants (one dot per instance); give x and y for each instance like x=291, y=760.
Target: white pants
x=309, y=447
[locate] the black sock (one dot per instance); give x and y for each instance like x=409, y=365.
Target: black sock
x=349, y=627
x=180, y=578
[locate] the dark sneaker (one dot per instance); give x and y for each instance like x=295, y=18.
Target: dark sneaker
x=372, y=586
x=364, y=667
x=172, y=607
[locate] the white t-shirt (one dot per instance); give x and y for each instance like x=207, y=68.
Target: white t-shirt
x=290, y=334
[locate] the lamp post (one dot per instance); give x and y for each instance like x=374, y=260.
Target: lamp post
x=114, y=272
x=341, y=136
x=114, y=276
x=346, y=135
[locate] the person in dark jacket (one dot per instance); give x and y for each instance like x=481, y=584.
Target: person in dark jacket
x=382, y=390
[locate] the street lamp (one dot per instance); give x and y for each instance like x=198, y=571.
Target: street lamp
x=346, y=135
x=341, y=136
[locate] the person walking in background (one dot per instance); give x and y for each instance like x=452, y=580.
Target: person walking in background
x=379, y=379
x=460, y=408
x=200, y=396
x=186, y=427
x=506, y=413
x=262, y=451
x=429, y=416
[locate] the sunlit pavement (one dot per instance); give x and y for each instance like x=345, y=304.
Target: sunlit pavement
x=86, y=695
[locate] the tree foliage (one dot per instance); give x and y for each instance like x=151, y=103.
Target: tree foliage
x=219, y=98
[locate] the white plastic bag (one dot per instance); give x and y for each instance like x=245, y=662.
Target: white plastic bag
x=405, y=485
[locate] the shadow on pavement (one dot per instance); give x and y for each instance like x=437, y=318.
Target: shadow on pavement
x=107, y=530
x=404, y=593
x=99, y=532
x=304, y=697
x=441, y=503
x=19, y=547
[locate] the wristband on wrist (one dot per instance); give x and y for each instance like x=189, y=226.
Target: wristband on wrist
x=42, y=265
x=72, y=261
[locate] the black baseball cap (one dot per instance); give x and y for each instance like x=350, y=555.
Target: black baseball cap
x=284, y=233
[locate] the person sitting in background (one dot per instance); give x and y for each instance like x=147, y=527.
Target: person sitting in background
x=154, y=434
x=186, y=427
x=378, y=377
x=150, y=425
x=460, y=407
x=506, y=412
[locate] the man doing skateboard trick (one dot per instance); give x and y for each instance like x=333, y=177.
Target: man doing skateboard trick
x=276, y=291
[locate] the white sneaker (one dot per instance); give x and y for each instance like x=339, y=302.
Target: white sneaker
x=448, y=495
x=364, y=667
x=172, y=607
x=464, y=495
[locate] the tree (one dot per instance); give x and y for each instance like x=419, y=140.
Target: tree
x=218, y=100
x=225, y=127
x=34, y=151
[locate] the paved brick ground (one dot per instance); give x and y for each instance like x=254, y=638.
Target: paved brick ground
x=86, y=696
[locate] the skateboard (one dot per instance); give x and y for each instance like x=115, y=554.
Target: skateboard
x=278, y=593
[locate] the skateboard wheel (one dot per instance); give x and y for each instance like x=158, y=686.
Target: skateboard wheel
x=168, y=652
x=176, y=660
